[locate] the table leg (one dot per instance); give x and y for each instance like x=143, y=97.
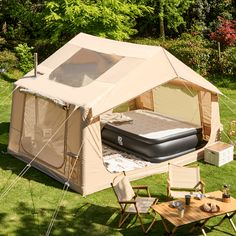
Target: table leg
x=228, y=216
x=169, y=232
x=165, y=226
x=199, y=225
x=173, y=230
x=233, y=225
x=231, y=220
x=203, y=232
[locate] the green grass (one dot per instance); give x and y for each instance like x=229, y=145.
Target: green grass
x=228, y=113
x=27, y=209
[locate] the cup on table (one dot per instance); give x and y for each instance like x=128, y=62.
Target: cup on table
x=187, y=199
x=181, y=211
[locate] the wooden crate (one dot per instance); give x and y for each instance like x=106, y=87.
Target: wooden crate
x=219, y=153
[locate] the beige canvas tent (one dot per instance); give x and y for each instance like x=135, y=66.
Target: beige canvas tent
x=55, y=119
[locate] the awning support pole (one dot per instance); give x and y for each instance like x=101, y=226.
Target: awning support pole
x=35, y=64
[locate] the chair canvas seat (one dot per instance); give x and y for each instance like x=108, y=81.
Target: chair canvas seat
x=143, y=205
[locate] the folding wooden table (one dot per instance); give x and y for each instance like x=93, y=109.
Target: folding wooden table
x=194, y=214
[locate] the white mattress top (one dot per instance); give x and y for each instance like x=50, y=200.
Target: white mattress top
x=165, y=133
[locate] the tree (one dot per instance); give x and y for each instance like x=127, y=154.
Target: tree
x=197, y=16
x=225, y=33
x=168, y=14
x=106, y=18
x=172, y=14
x=22, y=20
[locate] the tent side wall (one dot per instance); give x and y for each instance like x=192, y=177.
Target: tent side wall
x=95, y=176
x=48, y=136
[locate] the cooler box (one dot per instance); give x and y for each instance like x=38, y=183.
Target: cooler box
x=219, y=153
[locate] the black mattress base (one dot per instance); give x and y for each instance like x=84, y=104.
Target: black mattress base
x=153, y=152
x=157, y=159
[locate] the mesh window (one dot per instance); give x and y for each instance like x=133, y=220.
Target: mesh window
x=83, y=67
x=177, y=102
x=41, y=122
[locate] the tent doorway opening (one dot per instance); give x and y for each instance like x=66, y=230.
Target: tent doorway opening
x=159, y=125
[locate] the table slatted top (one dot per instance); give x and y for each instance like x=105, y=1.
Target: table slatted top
x=193, y=212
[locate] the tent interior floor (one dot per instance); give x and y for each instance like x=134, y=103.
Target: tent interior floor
x=117, y=161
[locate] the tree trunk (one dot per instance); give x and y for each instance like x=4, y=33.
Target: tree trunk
x=162, y=29
x=161, y=20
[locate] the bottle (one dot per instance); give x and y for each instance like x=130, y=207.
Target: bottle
x=226, y=193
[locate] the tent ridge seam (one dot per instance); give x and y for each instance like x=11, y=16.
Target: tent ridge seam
x=170, y=63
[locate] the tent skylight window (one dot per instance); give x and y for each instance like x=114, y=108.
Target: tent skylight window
x=83, y=67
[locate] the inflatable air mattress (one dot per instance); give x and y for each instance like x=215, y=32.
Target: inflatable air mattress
x=152, y=136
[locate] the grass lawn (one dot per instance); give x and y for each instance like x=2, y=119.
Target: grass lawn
x=27, y=209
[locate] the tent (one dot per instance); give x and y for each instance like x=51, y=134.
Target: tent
x=55, y=119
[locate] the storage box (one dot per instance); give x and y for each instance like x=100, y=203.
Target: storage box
x=219, y=153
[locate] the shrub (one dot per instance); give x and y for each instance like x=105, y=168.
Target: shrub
x=23, y=52
x=226, y=65
x=193, y=51
x=229, y=61
x=2, y=41
x=8, y=60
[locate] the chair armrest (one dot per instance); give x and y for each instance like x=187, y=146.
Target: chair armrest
x=200, y=183
x=127, y=202
x=182, y=189
x=141, y=187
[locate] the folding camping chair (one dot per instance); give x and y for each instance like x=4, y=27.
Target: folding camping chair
x=130, y=202
x=184, y=180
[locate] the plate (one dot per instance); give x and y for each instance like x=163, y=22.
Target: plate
x=210, y=208
x=200, y=196
x=176, y=204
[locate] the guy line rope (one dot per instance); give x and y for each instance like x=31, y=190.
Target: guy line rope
x=64, y=191
x=27, y=167
x=5, y=99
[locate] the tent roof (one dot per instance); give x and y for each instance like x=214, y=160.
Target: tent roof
x=120, y=72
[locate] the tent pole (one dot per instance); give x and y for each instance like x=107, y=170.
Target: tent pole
x=35, y=64
x=66, y=136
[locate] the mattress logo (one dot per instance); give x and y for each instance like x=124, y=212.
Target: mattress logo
x=120, y=140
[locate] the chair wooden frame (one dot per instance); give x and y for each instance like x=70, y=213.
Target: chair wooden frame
x=199, y=187
x=125, y=209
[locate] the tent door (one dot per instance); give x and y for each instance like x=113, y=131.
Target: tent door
x=43, y=132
